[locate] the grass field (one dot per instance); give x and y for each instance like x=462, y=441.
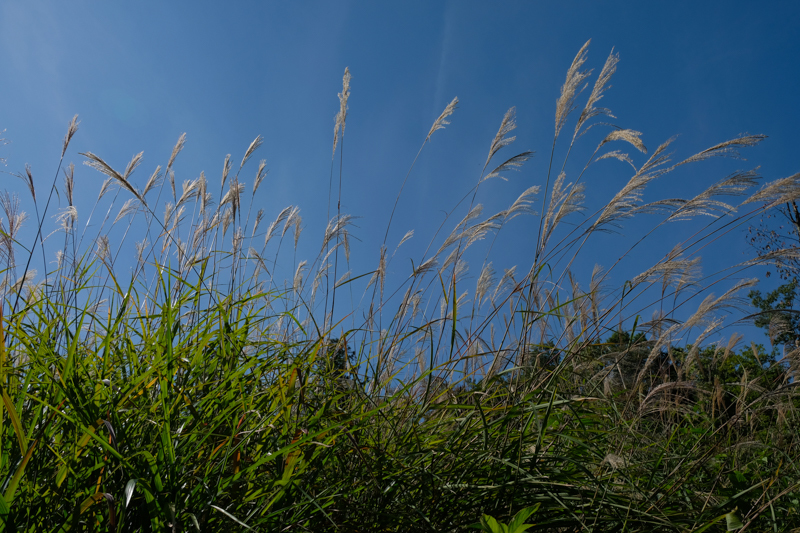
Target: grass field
x=196, y=391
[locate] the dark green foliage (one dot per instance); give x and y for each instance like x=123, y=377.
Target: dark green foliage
x=778, y=313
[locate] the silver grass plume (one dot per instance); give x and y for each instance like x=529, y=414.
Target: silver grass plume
x=618, y=155
x=175, y=151
x=275, y=223
x=522, y=205
x=446, y=307
x=513, y=163
x=705, y=203
x=260, y=175
x=330, y=252
x=600, y=86
x=234, y=196
x=24, y=280
x=34, y=291
x=169, y=208
x=660, y=389
x=141, y=247
x=345, y=244
x=153, y=182
x=177, y=216
x=564, y=200
x=732, y=342
x=9, y=203
x=416, y=300
x=712, y=305
x=426, y=266
x=672, y=269
x=257, y=221
x=297, y=221
x=777, y=192
x=581, y=303
x=442, y=121
x=344, y=277
x=129, y=207
x=290, y=216
x=485, y=280
x=629, y=136
x=569, y=91
x=191, y=189
x=238, y=239
x=775, y=257
x=778, y=325
x=379, y=275
x=726, y=149
x=451, y=257
x=336, y=227
x=662, y=341
x=227, y=219
x=260, y=263
x=27, y=177
x=507, y=282
x=460, y=269
x=501, y=138
x=203, y=194
x=172, y=184
x=69, y=183
x=341, y=117
x=258, y=141
x=658, y=158
x=67, y=218
x=711, y=328
x=297, y=281
x=71, y=130
x=103, y=251
x=98, y=164
x=202, y=228
x=226, y=168
x=270, y=232
x=132, y=165
x=595, y=294
x=478, y=231
x=458, y=231
x=625, y=203
x=318, y=279
x=408, y=235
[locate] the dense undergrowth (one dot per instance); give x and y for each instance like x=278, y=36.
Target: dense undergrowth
x=195, y=392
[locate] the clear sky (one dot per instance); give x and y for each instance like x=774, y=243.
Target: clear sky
x=139, y=74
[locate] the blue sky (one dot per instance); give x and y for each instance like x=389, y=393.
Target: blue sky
x=138, y=75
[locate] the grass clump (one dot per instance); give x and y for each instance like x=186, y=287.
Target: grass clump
x=196, y=391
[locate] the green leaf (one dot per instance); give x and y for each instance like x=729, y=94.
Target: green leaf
x=4, y=508
x=14, y=483
x=517, y=524
x=491, y=525
x=229, y=515
x=91, y=500
x=733, y=521
x=151, y=461
x=15, y=421
x=129, y=487
x=64, y=470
